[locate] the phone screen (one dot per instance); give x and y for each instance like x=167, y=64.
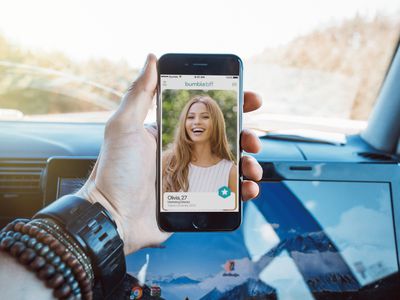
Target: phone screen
x=199, y=143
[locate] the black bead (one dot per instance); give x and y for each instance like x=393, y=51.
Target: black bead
x=70, y=278
x=56, y=260
x=47, y=272
x=74, y=285
x=44, y=250
x=25, y=238
x=77, y=293
x=7, y=242
x=38, y=246
x=17, y=235
x=61, y=267
x=67, y=272
x=50, y=255
x=32, y=242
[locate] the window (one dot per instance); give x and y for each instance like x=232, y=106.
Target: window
x=313, y=62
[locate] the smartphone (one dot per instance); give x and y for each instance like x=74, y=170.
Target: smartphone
x=199, y=116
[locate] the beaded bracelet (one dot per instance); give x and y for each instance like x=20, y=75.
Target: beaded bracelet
x=84, y=278
x=49, y=269
x=56, y=246
x=45, y=254
x=60, y=250
x=17, y=245
x=55, y=230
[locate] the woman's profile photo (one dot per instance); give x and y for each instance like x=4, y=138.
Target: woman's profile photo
x=199, y=158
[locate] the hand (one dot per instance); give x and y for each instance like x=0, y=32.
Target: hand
x=123, y=179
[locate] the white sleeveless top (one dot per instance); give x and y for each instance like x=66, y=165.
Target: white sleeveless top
x=209, y=179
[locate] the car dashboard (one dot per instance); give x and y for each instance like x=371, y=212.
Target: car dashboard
x=324, y=223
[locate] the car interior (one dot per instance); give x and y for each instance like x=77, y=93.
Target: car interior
x=325, y=225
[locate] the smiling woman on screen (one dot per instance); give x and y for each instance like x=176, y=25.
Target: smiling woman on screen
x=200, y=159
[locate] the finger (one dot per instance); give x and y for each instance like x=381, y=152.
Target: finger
x=252, y=101
x=249, y=141
x=251, y=169
x=250, y=190
x=138, y=99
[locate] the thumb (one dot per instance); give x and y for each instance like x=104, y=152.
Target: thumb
x=138, y=99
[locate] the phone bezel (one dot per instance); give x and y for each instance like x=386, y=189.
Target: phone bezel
x=198, y=64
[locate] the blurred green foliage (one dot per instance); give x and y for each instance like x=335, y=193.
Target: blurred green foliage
x=175, y=100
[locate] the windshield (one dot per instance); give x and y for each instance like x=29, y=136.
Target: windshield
x=317, y=65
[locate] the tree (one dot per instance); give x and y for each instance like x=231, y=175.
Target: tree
x=175, y=100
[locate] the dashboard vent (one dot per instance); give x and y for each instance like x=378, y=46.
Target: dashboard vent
x=377, y=156
x=21, y=175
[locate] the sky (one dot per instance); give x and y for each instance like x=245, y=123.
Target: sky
x=128, y=30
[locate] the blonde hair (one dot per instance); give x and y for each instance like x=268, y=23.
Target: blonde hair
x=176, y=160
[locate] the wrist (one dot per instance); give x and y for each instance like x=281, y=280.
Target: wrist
x=51, y=257
x=136, y=220
x=90, y=192
x=95, y=231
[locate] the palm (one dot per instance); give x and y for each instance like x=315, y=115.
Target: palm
x=126, y=167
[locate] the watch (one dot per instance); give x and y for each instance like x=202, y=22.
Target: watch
x=96, y=232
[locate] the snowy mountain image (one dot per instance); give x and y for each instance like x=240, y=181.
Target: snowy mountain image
x=319, y=262
x=321, y=266
x=251, y=289
x=244, y=282
x=177, y=280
